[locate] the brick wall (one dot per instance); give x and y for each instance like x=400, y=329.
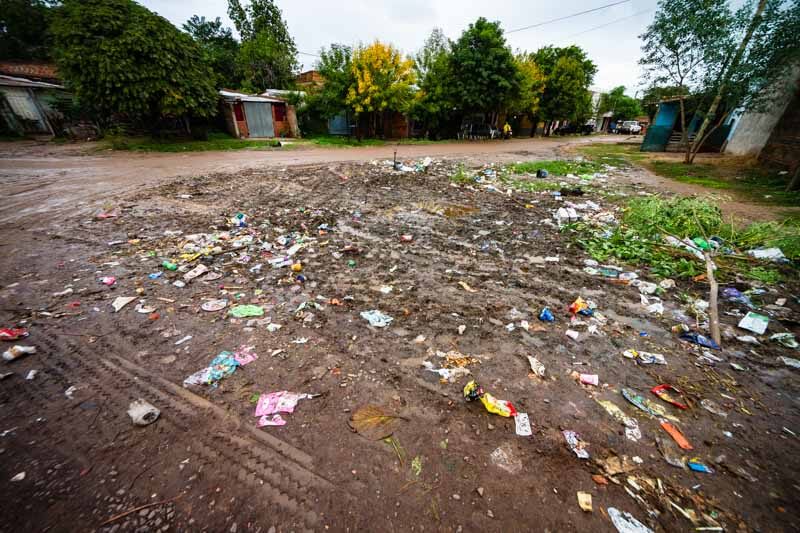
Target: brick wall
x=34, y=71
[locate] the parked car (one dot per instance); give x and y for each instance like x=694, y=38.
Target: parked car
x=630, y=127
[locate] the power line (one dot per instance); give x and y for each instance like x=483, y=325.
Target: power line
x=307, y=54
x=567, y=16
x=609, y=23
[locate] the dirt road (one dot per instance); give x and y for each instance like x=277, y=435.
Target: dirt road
x=470, y=281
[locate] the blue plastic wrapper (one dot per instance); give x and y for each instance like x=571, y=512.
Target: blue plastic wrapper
x=702, y=340
x=546, y=315
x=697, y=466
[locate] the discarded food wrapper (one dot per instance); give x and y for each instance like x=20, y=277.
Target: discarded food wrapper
x=17, y=351
x=447, y=374
x=212, y=276
x=697, y=465
x=143, y=413
x=662, y=391
x=576, y=444
x=245, y=355
x=505, y=458
x=214, y=305
x=221, y=366
x=786, y=339
x=653, y=409
x=572, y=334
x=585, y=501
x=169, y=265
x=749, y=339
x=590, y=379
x=632, y=431
x=645, y=358
x=536, y=366
x=523, y=425
x=196, y=272
x=278, y=402
x=376, y=318
x=676, y=434
x=625, y=522
x=473, y=391
x=239, y=220
x=754, y=322
x=701, y=340
x=669, y=450
x=733, y=294
x=12, y=334
x=546, y=315
x=580, y=306
x=121, y=301
x=245, y=311
x=108, y=280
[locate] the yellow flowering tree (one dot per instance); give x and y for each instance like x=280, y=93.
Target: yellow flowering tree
x=383, y=81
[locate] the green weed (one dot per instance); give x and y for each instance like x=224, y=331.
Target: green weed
x=461, y=177
x=556, y=168
x=215, y=142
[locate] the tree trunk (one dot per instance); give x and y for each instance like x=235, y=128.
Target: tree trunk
x=713, y=307
x=684, y=133
x=754, y=23
x=795, y=183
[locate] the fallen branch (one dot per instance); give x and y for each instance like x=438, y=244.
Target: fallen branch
x=713, y=307
x=131, y=511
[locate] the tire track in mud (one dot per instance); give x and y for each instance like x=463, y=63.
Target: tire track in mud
x=234, y=453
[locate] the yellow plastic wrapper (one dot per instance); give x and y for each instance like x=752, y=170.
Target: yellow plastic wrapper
x=473, y=391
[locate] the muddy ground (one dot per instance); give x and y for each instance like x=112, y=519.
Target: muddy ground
x=205, y=465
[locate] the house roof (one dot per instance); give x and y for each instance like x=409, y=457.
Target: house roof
x=11, y=81
x=242, y=97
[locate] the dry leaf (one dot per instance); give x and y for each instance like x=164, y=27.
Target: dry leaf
x=373, y=423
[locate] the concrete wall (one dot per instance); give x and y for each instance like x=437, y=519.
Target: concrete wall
x=752, y=130
x=782, y=150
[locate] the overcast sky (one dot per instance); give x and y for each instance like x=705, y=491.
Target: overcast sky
x=615, y=48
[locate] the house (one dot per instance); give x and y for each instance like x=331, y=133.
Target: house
x=310, y=79
x=665, y=134
x=29, y=107
x=258, y=116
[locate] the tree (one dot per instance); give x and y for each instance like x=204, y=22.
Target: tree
x=219, y=48
x=484, y=74
x=118, y=58
x=531, y=87
x=24, y=29
x=685, y=46
x=433, y=102
x=383, y=81
x=568, y=74
x=622, y=106
x=268, y=55
x=335, y=66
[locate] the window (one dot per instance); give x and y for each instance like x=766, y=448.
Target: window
x=280, y=112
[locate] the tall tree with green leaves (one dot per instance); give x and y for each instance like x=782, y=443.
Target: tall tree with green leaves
x=622, y=106
x=268, y=54
x=119, y=58
x=24, y=33
x=335, y=66
x=531, y=87
x=433, y=102
x=568, y=74
x=219, y=47
x=484, y=75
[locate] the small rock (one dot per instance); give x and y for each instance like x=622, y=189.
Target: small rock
x=489, y=513
x=456, y=497
x=480, y=491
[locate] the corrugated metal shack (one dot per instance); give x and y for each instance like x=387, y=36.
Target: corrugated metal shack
x=250, y=116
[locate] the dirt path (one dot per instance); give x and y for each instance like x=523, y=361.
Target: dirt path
x=38, y=178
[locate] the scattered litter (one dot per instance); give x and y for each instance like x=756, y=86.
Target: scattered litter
x=697, y=465
x=121, y=301
x=590, y=379
x=246, y=311
x=466, y=287
x=676, y=435
x=17, y=351
x=221, y=366
x=653, y=409
x=196, y=272
x=187, y=338
x=576, y=444
x=376, y=318
x=536, y=366
x=214, y=305
x=789, y=361
x=505, y=458
x=523, y=425
x=626, y=523
x=670, y=451
x=773, y=254
x=18, y=477
x=645, y=358
x=108, y=280
x=754, y=322
x=473, y=391
x=733, y=294
x=31, y=374
x=572, y=334
x=701, y=340
x=663, y=392
x=749, y=339
x=712, y=407
x=447, y=374
x=632, y=431
x=72, y=389
x=12, y=334
x=786, y=339
x=546, y=315
x=269, y=405
x=585, y=501
x=143, y=413
x=245, y=355
x=65, y=292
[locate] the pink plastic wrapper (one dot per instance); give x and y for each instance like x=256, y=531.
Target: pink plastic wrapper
x=590, y=379
x=245, y=355
x=277, y=402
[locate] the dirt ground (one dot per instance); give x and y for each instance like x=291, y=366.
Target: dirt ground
x=478, y=269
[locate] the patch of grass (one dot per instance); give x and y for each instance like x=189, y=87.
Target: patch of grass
x=535, y=186
x=215, y=142
x=556, y=167
x=696, y=174
x=619, y=154
x=639, y=239
x=345, y=141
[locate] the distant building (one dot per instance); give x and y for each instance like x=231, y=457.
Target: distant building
x=29, y=107
x=250, y=116
x=309, y=79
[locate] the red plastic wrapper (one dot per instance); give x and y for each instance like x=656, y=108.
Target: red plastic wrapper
x=663, y=392
x=12, y=334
